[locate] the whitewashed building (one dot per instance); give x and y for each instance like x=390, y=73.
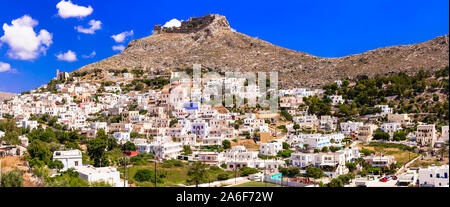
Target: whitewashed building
x=70, y=159
x=270, y=149
x=390, y=128
x=385, y=109
x=122, y=136
x=335, y=100
x=108, y=175
x=444, y=135
x=350, y=128
x=434, y=176
x=426, y=134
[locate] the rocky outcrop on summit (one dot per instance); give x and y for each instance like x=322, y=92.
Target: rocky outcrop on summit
x=211, y=42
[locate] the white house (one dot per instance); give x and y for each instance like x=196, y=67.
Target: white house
x=70, y=159
x=318, y=141
x=335, y=100
x=328, y=123
x=109, y=175
x=199, y=128
x=350, y=128
x=444, y=135
x=426, y=134
x=331, y=159
x=28, y=123
x=211, y=158
x=270, y=149
x=385, y=109
x=390, y=128
x=306, y=121
x=162, y=150
x=122, y=136
x=380, y=161
x=434, y=176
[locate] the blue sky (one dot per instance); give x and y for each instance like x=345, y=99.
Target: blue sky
x=322, y=28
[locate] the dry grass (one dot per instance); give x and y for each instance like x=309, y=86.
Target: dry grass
x=10, y=163
x=426, y=163
x=248, y=143
x=402, y=157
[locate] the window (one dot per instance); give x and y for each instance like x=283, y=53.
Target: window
x=76, y=163
x=438, y=176
x=445, y=175
x=431, y=175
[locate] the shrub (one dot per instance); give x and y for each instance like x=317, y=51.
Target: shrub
x=12, y=179
x=143, y=175
x=245, y=171
x=222, y=176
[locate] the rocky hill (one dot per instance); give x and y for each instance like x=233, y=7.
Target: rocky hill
x=211, y=42
x=6, y=96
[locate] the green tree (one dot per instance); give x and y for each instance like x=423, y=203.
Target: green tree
x=173, y=122
x=290, y=171
x=380, y=135
x=286, y=115
x=245, y=171
x=96, y=151
x=197, y=173
x=101, y=134
x=351, y=166
x=12, y=178
x=286, y=146
x=144, y=175
x=56, y=165
x=40, y=150
x=222, y=176
x=68, y=178
x=335, y=183
x=112, y=143
x=314, y=172
x=187, y=150
x=226, y=144
x=400, y=135
x=129, y=147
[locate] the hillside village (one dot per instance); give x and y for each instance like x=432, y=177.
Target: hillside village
x=115, y=128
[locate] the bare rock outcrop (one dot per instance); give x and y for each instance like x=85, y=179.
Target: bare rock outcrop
x=211, y=42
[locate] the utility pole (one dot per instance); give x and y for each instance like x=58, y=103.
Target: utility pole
x=155, y=172
x=265, y=169
x=125, y=172
x=235, y=169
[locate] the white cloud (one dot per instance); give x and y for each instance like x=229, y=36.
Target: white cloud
x=173, y=23
x=66, y=9
x=93, y=54
x=122, y=36
x=69, y=56
x=23, y=41
x=95, y=25
x=5, y=67
x=118, y=48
